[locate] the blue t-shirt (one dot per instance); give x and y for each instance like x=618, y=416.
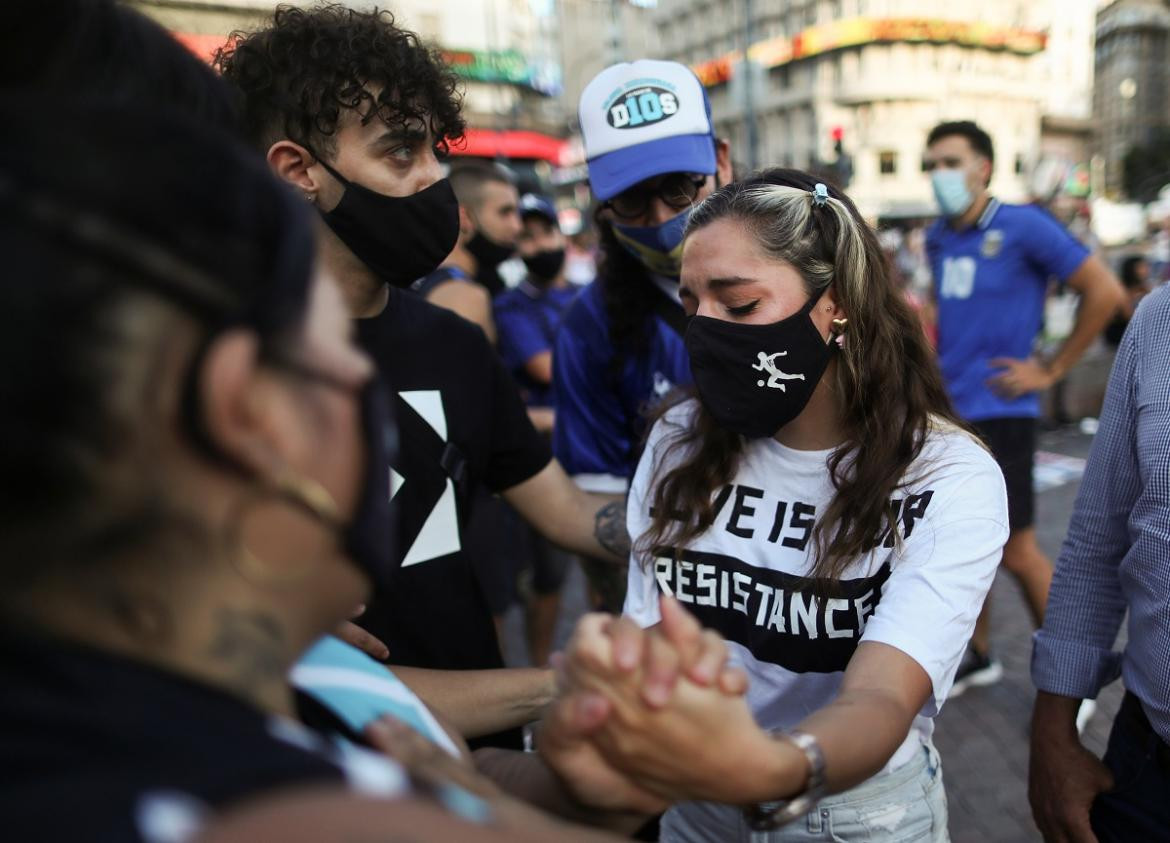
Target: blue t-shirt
x=601, y=415
x=990, y=282
x=527, y=319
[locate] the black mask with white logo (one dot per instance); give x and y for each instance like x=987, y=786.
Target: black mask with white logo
x=400, y=238
x=754, y=379
x=545, y=265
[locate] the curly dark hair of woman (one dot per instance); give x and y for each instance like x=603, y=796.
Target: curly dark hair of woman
x=887, y=382
x=134, y=252
x=299, y=74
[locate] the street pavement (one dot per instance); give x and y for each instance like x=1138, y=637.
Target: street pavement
x=983, y=735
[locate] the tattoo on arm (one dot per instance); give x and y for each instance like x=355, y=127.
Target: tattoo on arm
x=609, y=528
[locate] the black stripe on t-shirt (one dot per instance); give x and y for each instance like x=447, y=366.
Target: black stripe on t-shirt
x=779, y=617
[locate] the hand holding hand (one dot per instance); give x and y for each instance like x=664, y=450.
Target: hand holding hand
x=679, y=647
x=694, y=738
x=563, y=743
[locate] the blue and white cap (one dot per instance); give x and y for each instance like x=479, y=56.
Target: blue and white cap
x=643, y=119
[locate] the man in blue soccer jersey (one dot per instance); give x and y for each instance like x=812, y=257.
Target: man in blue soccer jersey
x=652, y=153
x=992, y=264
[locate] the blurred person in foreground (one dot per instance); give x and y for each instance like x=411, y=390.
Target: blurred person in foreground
x=1115, y=562
x=992, y=263
x=351, y=110
x=182, y=537
x=652, y=154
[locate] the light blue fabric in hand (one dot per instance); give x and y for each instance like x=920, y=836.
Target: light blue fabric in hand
x=359, y=690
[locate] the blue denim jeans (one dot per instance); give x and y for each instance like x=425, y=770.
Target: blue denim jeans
x=1138, y=807
x=908, y=805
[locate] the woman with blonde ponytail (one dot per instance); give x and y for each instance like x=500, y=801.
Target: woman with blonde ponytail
x=818, y=505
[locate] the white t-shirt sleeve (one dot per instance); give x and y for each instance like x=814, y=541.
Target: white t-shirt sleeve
x=940, y=579
x=641, y=590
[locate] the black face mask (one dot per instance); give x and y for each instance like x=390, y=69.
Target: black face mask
x=545, y=265
x=368, y=537
x=400, y=238
x=754, y=379
x=488, y=253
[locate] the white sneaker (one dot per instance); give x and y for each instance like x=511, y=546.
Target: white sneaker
x=1085, y=714
x=975, y=671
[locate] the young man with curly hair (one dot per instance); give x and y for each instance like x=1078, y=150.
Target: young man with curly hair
x=352, y=111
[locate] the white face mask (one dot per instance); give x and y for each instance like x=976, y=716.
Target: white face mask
x=951, y=191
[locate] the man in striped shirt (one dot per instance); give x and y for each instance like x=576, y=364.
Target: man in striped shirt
x=1116, y=559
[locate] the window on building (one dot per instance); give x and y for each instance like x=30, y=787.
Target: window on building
x=888, y=162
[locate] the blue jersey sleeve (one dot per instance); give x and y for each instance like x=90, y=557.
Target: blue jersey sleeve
x=591, y=437
x=1051, y=249
x=521, y=334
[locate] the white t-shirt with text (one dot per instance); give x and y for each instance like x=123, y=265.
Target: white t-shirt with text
x=919, y=591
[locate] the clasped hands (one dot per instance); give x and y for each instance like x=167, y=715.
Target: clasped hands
x=648, y=717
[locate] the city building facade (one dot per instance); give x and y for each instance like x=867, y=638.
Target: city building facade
x=871, y=77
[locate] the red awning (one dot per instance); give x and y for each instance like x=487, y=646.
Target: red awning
x=485, y=143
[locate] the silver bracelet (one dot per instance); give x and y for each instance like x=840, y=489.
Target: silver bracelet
x=766, y=816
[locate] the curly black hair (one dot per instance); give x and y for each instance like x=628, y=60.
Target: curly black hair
x=298, y=74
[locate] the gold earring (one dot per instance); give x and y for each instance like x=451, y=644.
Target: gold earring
x=837, y=331
x=307, y=495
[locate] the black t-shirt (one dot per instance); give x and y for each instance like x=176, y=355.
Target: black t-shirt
x=461, y=425
x=98, y=747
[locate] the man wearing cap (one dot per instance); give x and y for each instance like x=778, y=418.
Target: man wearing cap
x=528, y=315
x=652, y=153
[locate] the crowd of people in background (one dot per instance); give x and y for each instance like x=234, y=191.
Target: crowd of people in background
x=295, y=411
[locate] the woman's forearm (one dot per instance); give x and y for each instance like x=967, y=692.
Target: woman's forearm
x=858, y=733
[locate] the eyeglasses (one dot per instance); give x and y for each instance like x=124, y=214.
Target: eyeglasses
x=677, y=190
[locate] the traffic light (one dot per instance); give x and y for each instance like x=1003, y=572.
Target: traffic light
x=843, y=165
